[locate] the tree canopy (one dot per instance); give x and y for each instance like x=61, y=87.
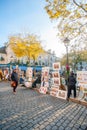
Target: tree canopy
x=76, y=55
x=71, y=15
x=28, y=46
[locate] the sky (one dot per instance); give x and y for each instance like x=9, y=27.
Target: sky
x=29, y=16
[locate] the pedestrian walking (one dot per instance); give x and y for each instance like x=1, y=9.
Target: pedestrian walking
x=14, y=77
x=71, y=85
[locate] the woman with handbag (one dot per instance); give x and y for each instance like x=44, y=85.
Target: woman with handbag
x=14, y=80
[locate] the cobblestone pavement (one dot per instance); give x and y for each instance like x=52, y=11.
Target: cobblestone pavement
x=30, y=110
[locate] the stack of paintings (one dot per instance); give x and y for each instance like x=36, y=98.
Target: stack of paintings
x=56, y=89
x=29, y=74
x=82, y=83
x=55, y=79
x=44, y=80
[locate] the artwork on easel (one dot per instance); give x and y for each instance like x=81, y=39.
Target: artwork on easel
x=56, y=66
x=29, y=74
x=55, y=74
x=55, y=79
x=44, y=80
x=82, y=83
x=62, y=94
x=57, y=89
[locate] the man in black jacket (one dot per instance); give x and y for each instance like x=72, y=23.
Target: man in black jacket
x=14, y=77
x=71, y=85
x=38, y=80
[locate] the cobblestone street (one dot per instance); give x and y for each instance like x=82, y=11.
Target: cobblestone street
x=30, y=110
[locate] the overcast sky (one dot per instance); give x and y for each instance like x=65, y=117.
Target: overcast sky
x=29, y=16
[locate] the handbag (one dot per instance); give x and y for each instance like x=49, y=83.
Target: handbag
x=13, y=83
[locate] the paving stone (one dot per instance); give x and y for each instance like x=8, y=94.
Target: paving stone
x=64, y=125
x=1, y=126
x=30, y=128
x=25, y=128
x=9, y=128
x=74, y=128
x=41, y=126
x=77, y=126
x=84, y=127
x=41, y=122
x=29, y=110
x=35, y=126
x=48, y=127
x=58, y=124
x=24, y=124
x=61, y=128
x=68, y=128
x=50, y=120
x=18, y=128
x=30, y=125
x=61, y=121
x=46, y=123
x=67, y=121
x=70, y=125
x=54, y=128
x=52, y=124
x=36, y=129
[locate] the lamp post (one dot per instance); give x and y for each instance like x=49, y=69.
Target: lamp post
x=66, y=43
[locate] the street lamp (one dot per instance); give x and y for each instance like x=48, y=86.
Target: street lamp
x=66, y=43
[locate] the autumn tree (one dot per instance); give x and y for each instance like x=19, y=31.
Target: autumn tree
x=77, y=54
x=71, y=15
x=28, y=46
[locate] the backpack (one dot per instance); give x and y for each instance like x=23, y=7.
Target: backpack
x=71, y=81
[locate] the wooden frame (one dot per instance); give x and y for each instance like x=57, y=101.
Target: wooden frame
x=62, y=94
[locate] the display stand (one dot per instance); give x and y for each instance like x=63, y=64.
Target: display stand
x=57, y=88
x=82, y=83
x=29, y=74
x=44, y=80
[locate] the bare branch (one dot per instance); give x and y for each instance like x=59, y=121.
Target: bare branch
x=82, y=27
x=79, y=6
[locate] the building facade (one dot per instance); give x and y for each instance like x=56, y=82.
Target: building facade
x=7, y=56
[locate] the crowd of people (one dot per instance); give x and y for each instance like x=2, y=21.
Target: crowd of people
x=70, y=82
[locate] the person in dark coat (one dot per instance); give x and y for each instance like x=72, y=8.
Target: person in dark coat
x=38, y=80
x=14, y=77
x=71, y=85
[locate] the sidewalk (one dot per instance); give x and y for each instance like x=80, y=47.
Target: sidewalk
x=30, y=110
x=75, y=100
